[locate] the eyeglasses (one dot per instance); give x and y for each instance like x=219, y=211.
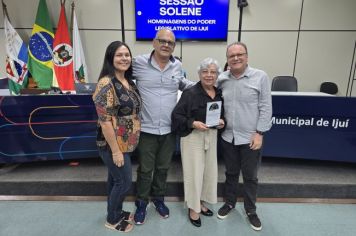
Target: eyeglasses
x=206, y=72
x=239, y=55
x=164, y=42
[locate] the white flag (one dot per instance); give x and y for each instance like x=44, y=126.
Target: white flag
x=80, y=67
x=16, y=50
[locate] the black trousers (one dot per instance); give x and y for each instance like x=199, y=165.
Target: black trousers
x=155, y=154
x=241, y=158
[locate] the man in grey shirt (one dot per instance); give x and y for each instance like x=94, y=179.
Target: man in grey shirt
x=248, y=113
x=158, y=76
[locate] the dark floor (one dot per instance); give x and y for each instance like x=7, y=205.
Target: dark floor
x=279, y=178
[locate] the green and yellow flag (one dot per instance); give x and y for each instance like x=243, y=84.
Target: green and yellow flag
x=40, y=47
x=15, y=87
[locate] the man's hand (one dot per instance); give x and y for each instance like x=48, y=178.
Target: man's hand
x=256, y=142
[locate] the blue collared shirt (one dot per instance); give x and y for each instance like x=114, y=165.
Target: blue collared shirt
x=158, y=89
x=247, y=103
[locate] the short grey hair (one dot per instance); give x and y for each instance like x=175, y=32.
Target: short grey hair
x=208, y=61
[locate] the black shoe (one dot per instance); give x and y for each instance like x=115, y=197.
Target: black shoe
x=196, y=222
x=224, y=211
x=208, y=212
x=254, y=221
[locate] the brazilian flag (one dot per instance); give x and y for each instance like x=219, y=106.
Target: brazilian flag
x=40, y=48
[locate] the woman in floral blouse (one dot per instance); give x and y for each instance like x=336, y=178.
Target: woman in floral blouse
x=118, y=105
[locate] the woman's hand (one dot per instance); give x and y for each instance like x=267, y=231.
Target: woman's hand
x=108, y=130
x=200, y=126
x=118, y=158
x=221, y=124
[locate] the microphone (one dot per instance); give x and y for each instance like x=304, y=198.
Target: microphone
x=242, y=3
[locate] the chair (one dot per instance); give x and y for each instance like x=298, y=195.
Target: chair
x=329, y=87
x=284, y=83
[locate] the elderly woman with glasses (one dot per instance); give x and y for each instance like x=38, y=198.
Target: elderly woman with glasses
x=196, y=118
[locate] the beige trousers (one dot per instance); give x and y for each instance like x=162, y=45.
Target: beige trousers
x=200, y=170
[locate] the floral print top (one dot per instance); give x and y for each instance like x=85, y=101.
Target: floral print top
x=121, y=106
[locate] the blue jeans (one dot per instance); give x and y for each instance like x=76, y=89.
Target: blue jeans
x=118, y=183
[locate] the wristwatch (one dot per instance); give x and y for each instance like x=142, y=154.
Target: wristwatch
x=259, y=132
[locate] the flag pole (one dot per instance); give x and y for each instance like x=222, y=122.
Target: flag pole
x=71, y=19
x=4, y=10
x=3, y=6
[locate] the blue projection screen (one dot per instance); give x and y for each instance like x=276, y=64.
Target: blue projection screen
x=205, y=20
